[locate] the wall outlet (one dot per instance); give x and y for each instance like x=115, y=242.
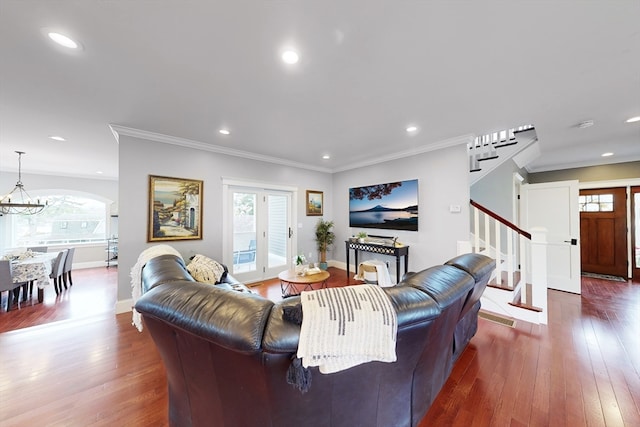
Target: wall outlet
x=454, y=208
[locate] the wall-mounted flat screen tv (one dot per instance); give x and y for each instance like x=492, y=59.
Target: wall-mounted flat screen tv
x=391, y=206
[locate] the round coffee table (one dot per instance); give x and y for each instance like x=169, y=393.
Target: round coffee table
x=292, y=283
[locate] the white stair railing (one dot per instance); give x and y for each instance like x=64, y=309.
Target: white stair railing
x=523, y=263
x=484, y=147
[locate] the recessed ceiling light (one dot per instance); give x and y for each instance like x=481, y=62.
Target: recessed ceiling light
x=633, y=119
x=290, y=57
x=412, y=128
x=224, y=131
x=326, y=157
x=57, y=138
x=99, y=172
x=607, y=154
x=63, y=40
x=585, y=124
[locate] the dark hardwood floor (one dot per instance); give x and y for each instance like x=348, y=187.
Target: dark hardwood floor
x=71, y=362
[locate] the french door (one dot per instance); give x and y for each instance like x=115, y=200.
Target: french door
x=258, y=244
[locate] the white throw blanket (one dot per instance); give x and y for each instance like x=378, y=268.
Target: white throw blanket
x=136, y=275
x=345, y=327
x=382, y=272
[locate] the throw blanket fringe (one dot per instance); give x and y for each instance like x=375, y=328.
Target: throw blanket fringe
x=345, y=327
x=136, y=276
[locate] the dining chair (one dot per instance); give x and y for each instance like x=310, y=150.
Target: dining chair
x=6, y=283
x=66, y=272
x=29, y=286
x=57, y=269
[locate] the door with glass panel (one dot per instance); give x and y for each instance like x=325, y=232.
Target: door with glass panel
x=635, y=232
x=603, y=231
x=261, y=241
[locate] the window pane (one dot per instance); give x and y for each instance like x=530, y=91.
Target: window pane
x=278, y=231
x=244, y=232
x=66, y=219
x=608, y=198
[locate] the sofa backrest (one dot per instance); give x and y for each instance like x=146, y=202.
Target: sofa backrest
x=449, y=287
x=480, y=268
x=163, y=269
x=227, y=353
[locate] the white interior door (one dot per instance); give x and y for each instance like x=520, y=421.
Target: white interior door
x=554, y=206
x=260, y=241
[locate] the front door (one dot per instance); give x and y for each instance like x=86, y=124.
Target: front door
x=554, y=206
x=635, y=230
x=603, y=231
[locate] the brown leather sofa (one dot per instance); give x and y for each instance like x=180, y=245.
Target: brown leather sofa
x=227, y=353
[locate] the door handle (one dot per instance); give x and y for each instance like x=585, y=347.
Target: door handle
x=290, y=232
x=572, y=241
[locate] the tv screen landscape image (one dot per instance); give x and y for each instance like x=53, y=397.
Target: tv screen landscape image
x=391, y=206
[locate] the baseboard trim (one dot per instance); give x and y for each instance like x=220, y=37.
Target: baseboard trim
x=124, y=306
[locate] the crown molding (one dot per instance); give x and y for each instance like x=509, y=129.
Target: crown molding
x=118, y=131
x=576, y=165
x=464, y=139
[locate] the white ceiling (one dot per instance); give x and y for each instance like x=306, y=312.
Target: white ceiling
x=367, y=69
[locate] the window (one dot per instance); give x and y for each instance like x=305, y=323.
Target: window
x=596, y=203
x=68, y=218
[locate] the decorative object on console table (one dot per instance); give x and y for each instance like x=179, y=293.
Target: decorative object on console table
x=393, y=249
x=175, y=209
x=315, y=203
x=324, y=239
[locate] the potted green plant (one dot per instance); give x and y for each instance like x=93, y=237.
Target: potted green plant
x=361, y=236
x=324, y=239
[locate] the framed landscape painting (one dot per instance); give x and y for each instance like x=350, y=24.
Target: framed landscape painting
x=175, y=209
x=314, y=203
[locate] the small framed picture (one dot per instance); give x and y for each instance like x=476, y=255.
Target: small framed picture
x=175, y=209
x=314, y=203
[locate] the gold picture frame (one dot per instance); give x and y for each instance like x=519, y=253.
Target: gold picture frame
x=175, y=209
x=314, y=203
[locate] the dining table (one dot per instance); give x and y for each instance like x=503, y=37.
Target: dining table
x=36, y=268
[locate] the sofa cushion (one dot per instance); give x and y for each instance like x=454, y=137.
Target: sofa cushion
x=205, y=270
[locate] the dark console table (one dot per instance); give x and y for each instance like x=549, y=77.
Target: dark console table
x=396, y=251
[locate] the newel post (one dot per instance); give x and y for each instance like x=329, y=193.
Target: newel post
x=538, y=268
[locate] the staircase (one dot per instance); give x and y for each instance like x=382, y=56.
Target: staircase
x=489, y=151
x=518, y=288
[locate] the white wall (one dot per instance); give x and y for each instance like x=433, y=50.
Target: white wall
x=443, y=180
x=495, y=191
x=139, y=158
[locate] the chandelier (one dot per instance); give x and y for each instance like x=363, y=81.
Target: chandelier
x=19, y=201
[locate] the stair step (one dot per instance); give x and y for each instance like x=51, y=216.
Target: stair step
x=507, y=143
x=526, y=306
x=488, y=158
x=503, y=286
